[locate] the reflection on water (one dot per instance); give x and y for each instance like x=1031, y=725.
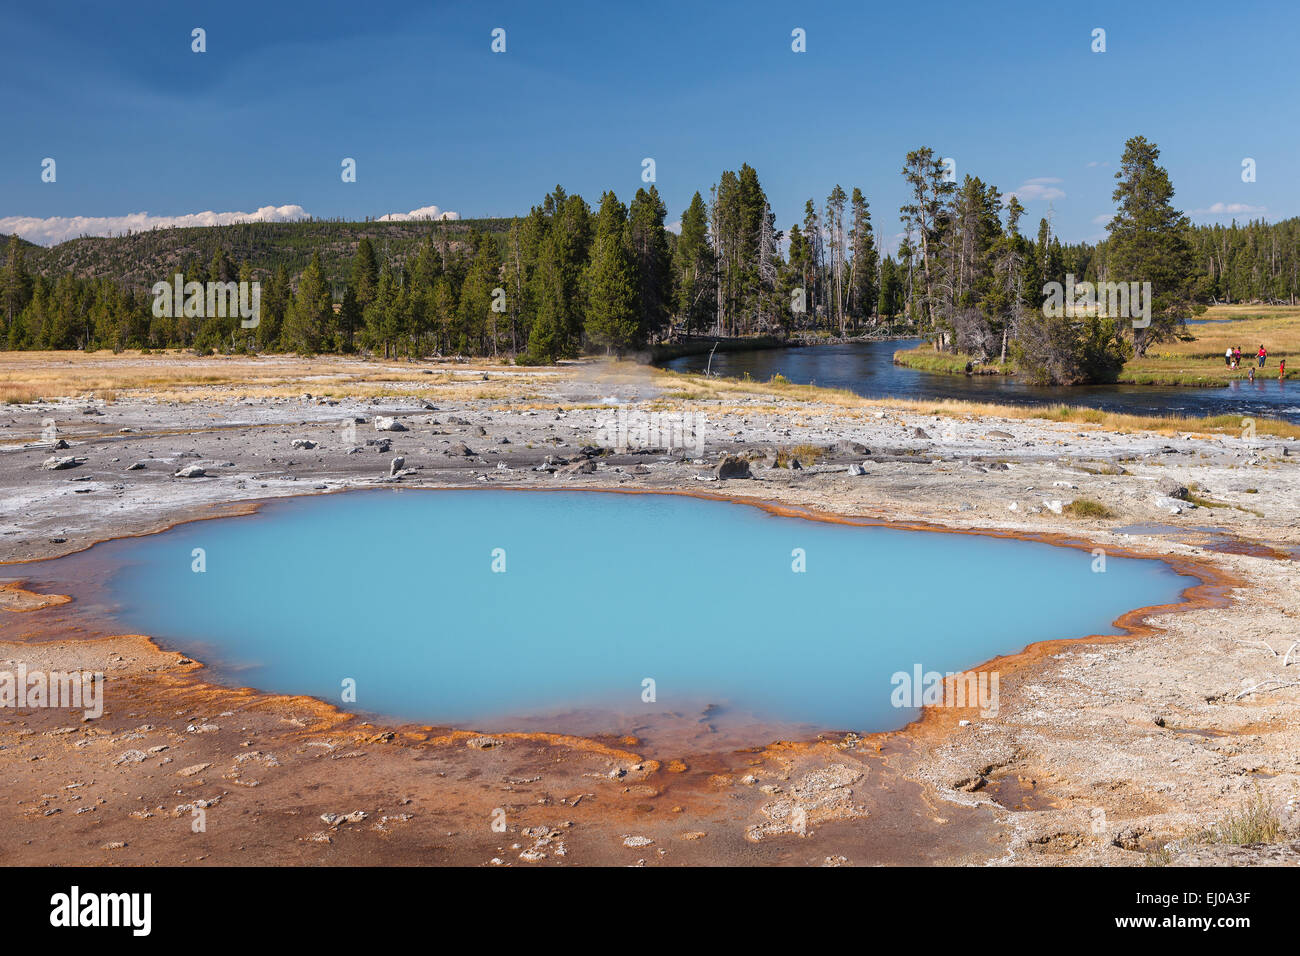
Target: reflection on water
x=868, y=369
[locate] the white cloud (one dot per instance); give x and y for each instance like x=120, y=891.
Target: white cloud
x=1093, y=164
x=1104, y=219
x=1228, y=209
x=424, y=212
x=1040, y=187
x=675, y=227
x=55, y=229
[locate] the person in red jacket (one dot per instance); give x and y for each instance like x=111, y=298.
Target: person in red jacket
x=1263, y=354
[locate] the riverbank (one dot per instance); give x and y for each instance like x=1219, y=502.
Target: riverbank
x=925, y=358
x=1109, y=751
x=1196, y=363
x=708, y=345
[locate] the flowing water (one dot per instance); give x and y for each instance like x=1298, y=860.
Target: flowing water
x=868, y=369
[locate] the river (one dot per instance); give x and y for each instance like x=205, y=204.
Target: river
x=868, y=369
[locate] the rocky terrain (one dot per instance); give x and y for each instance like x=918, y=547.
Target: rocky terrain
x=1113, y=750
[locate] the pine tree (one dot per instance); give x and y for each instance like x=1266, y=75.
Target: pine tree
x=694, y=265
x=612, y=320
x=15, y=283
x=891, y=290
x=923, y=218
x=306, y=327
x=365, y=272
x=478, y=322
x=835, y=229
x=1149, y=243
x=651, y=261
x=557, y=283
x=862, y=278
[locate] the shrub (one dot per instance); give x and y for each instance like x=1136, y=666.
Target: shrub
x=1087, y=508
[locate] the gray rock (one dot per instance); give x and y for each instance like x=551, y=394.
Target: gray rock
x=857, y=470
x=190, y=471
x=1170, y=488
x=460, y=449
x=303, y=443
x=396, y=465
x=732, y=467
x=846, y=447
x=383, y=424
x=60, y=463
x=136, y=466
x=920, y=433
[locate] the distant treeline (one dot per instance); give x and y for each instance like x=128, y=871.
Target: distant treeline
x=567, y=278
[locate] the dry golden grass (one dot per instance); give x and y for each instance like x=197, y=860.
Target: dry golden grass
x=183, y=377
x=15, y=394
x=685, y=388
x=1200, y=361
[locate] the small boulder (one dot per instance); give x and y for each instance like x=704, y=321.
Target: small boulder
x=846, y=447
x=1170, y=488
x=732, y=467
x=460, y=449
x=190, y=471
x=303, y=443
x=396, y=465
x=857, y=470
x=383, y=424
x=59, y=463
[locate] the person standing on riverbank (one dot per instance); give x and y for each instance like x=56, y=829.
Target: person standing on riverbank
x=1227, y=356
x=1281, y=370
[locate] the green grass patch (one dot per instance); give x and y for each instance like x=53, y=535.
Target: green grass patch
x=1254, y=822
x=1087, y=508
x=924, y=358
x=806, y=455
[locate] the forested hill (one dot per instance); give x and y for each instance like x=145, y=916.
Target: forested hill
x=571, y=277
x=143, y=258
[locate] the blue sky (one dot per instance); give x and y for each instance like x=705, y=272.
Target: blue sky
x=1012, y=91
